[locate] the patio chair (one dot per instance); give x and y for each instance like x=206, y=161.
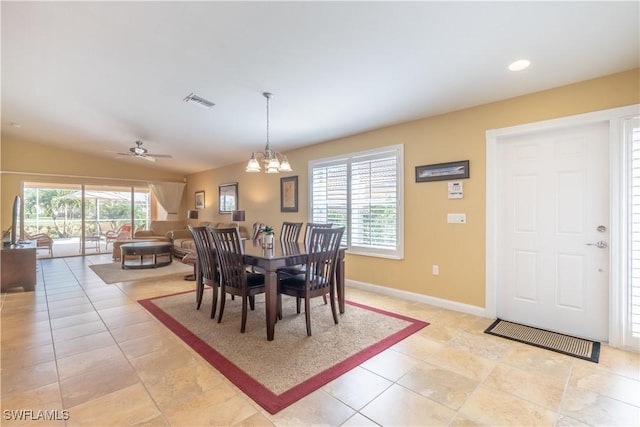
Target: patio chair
x=42, y=241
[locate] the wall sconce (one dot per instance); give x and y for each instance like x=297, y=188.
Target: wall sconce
x=192, y=214
x=237, y=215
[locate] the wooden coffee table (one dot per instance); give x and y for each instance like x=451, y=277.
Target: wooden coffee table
x=147, y=254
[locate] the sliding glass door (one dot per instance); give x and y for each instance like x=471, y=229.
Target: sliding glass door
x=84, y=219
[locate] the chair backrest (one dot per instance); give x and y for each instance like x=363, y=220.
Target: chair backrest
x=206, y=253
x=322, y=258
x=229, y=251
x=310, y=226
x=258, y=227
x=290, y=231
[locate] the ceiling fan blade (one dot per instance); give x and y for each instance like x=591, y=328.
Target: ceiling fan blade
x=161, y=156
x=124, y=154
x=148, y=158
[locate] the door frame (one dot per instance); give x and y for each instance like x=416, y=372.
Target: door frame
x=614, y=118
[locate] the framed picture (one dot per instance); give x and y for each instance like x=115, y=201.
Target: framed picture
x=289, y=194
x=443, y=171
x=199, y=199
x=228, y=194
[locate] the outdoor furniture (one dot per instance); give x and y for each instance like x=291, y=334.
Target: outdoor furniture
x=42, y=241
x=147, y=254
x=318, y=277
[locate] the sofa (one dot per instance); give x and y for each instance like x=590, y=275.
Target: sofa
x=182, y=239
x=161, y=230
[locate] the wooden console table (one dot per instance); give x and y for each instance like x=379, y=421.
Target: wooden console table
x=18, y=266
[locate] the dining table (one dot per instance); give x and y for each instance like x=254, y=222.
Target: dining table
x=284, y=254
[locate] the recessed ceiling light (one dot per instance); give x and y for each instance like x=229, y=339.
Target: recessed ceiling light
x=199, y=101
x=519, y=65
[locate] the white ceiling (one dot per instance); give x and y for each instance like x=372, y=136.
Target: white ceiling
x=97, y=76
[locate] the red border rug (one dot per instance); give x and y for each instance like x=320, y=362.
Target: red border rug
x=270, y=401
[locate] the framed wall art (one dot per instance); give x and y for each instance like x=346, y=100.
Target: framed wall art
x=289, y=194
x=199, y=200
x=228, y=194
x=443, y=171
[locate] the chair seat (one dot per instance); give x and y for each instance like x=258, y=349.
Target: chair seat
x=255, y=280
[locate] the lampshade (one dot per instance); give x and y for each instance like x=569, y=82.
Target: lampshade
x=237, y=215
x=192, y=214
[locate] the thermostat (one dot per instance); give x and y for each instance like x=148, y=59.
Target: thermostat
x=455, y=190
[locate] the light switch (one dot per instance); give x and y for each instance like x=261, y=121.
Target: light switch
x=456, y=218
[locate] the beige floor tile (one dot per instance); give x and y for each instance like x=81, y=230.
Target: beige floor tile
x=538, y=361
x=18, y=358
x=74, y=320
x=86, y=361
x=128, y=319
x=71, y=332
x=488, y=406
x=488, y=347
x=64, y=311
x=83, y=344
x=390, y=364
x=595, y=409
x=443, y=386
x=359, y=420
x=420, y=345
x=462, y=362
x=28, y=378
x=148, y=344
x=137, y=330
x=545, y=391
x=317, y=408
x=594, y=378
x=125, y=407
x=357, y=387
x=215, y=407
x=45, y=398
x=398, y=406
x=621, y=362
x=153, y=366
x=183, y=383
x=91, y=384
x=255, y=420
x=26, y=342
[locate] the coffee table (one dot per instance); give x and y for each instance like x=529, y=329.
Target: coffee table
x=147, y=254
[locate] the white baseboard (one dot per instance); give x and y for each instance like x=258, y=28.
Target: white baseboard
x=411, y=296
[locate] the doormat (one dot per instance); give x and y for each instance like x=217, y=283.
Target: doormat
x=560, y=343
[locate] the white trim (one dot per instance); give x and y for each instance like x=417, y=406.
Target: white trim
x=614, y=118
x=425, y=299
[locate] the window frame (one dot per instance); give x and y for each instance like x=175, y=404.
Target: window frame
x=348, y=159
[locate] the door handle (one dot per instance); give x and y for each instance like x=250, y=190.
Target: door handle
x=600, y=244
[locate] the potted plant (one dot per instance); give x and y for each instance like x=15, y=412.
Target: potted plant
x=268, y=237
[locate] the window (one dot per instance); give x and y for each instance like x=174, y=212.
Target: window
x=362, y=192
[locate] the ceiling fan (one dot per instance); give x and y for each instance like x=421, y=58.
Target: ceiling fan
x=143, y=153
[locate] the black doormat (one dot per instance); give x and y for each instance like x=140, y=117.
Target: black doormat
x=565, y=344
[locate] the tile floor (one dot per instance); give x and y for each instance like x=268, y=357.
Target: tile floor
x=88, y=351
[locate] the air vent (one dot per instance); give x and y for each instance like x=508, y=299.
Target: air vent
x=199, y=101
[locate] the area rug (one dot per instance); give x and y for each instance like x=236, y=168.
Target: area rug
x=560, y=343
x=113, y=273
x=277, y=373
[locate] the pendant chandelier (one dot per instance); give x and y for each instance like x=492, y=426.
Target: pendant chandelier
x=274, y=162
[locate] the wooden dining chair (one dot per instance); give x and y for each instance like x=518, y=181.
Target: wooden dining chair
x=290, y=231
x=234, y=277
x=206, y=266
x=319, y=273
x=299, y=269
x=258, y=227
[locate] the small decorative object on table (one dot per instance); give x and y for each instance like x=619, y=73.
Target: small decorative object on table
x=267, y=239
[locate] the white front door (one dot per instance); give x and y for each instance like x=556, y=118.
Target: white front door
x=553, y=230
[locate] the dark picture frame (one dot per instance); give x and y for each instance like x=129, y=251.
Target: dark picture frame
x=443, y=171
x=199, y=199
x=289, y=194
x=227, y=197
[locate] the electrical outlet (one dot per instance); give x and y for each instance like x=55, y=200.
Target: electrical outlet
x=435, y=270
x=456, y=218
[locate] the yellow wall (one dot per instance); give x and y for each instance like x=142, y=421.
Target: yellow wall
x=22, y=161
x=459, y=250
